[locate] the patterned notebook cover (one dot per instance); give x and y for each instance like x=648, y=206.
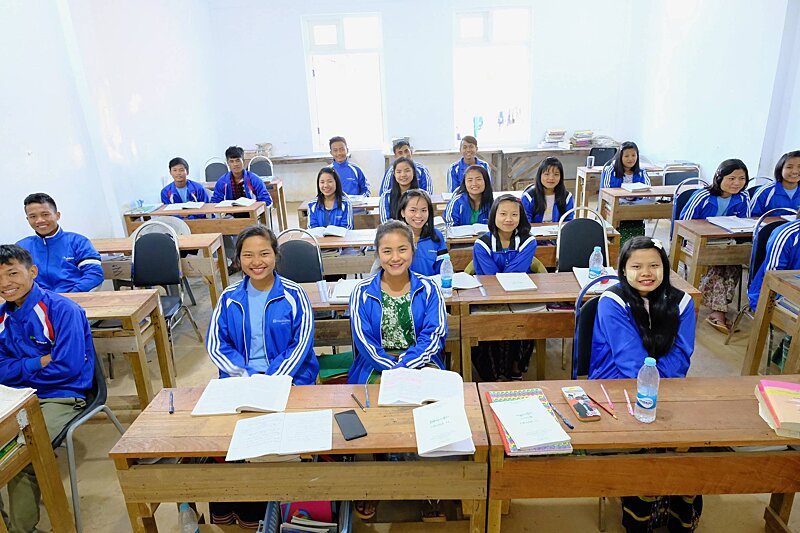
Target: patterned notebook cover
x=508, y=443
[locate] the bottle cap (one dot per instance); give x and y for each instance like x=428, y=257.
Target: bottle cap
x=649, y=361
x=445, y=256
x=596, y=249
x=183, y=506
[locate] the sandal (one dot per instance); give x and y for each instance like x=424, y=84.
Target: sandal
x=433, y=513
x=722, y=327
x=365, y=509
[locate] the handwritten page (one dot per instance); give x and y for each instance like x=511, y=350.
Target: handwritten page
x=408, y=386
x=282, y=434
x=442, y=428
x=254, y=393
x=528, y=422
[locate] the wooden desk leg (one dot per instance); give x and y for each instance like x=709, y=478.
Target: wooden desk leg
x=495, y=507
x=211, y=281
x=222, y=265
x=541, y=358
x=283, y=209
x=141, y=375
x=776, y=515
x=139, y=514
x=579, y=190
x=693, y=273
x=466, y=358
x=759, y=332
x=46, y=469
x=674, y=251
x=793, y=357
x=477, y=512
x=163, y=349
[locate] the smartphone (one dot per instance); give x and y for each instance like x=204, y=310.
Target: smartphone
x=350, y=424
x=581, y=405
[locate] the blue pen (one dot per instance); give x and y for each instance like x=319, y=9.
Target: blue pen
x=171, y=405
x=562, y=417
x=366, y=393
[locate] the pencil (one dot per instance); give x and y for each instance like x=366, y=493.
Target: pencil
x=603, y=407
x=610, y=403
x=628, y=400
x=358, y=402
x=366, y=393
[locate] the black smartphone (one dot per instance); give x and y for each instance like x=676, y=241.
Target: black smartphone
x=350, y=424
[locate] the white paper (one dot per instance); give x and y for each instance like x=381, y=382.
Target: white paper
x=789, y=218
x=244, y=202
x=468, y=230
x=447, y=196
x=461, y=280
x=233, y=395
x=282, y=434
x=439, y=223
x=333, y=231
x=408, y=386
x=515, y=281
x=734, y=224
x=635, y=187
x=544, y=231
x=11, y=398
x=342, y=290
x=442, y=428
x=528, y=422
x=184, y=205
x=582, y=275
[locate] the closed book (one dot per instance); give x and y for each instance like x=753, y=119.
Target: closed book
x=782, y=399
x=508, y=443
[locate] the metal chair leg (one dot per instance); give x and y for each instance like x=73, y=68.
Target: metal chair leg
x=194, y=324
x=736, y=321
x=601, y=514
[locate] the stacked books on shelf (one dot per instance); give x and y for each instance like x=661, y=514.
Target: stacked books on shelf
x=581, y=138
x=554, y=138
x=779, y=406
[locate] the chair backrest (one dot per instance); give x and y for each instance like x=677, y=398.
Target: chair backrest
x=301, y=260
x=681, y=198
x=262, y=166
x=761, y=234
x=215, y=169
x=675, y=175
x=578, y=237
x=156, y=258
x=758, y=182
x=585, y=313
x=602, y=154
x=178, y=225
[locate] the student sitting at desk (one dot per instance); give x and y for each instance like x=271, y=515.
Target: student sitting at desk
x=507, y=247
x=782, y=193
x=547, y=198
x=726, y=196
x=354, y=183
x=624, y=168
x=239, y=182
x=472, y=200
x=402, y=148
x=405, y=178
x=783, y=253
x=397, y=316
x=469, y=157
x=45, y=344
x=416, y=210
x=182, y=189
x=66, y=261
x=644, y=316
x=331, y=207
x=263, y=323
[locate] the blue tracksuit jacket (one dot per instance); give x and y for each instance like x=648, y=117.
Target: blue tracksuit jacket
x=528, y=204
x=67, y=261
x=702, y=204
x=352, y=177
x=455, y=175
x=423, y=176
x=488, y=257
x=339, y=215
x=459, y=211
x=609, y=178
x=783, y=253
x=428, y=255
x=772, y=196
x=253, y=188
x=194, y=193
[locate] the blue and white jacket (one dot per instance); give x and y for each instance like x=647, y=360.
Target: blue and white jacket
x=428, y=255
x=430, y=328
x=423, y=176
x=609, y=178
x=384, y=206
x=455, y=175
x=46, y=323
x=772, y=196
x=459, y=211
x=488, y=256
x=288, y=332
x=352, y=177
x=702, y=204
x=194, y=193
x=253, y=188
x=783, y=253
x=617, y=348
x=528, y=204
x=340, y=215
x=67, y=261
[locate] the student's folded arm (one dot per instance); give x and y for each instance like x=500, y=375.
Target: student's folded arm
x=69, y=352
x=627, y=350
x=88, y=261
x=219, y=192
x=220, y=345
x=260, y=190
x=367, y=342
x=432, y=334
x=675, y=363
x=522, y=261
x=12, y=367
x=482, y=260
x=290, y=361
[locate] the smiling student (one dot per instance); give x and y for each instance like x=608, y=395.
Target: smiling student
x=405, y=178
x=239, y=182
x=782, y=193
x=182, y=189
x=625, y=168
x=331, y=207
x=469, y=157
x=472, y=200
x=354, y=183
x=416, y=210
x=402, y=148
x=547, y=198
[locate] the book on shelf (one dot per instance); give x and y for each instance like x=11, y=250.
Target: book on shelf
x=511, y=447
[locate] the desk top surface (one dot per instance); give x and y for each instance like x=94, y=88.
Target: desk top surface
x=156, y=433
x=207, y=209
x=787, y=281
x=702, y=411
x=438, y=200
x=193, y=241
x=704, y=228
x=102, y=305
x=656, y=190
x=269, y=183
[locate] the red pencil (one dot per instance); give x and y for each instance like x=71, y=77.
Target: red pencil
x=603, y=407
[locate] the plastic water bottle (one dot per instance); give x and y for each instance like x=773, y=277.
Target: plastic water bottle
x=646, y=392
x=187, y=519
x=596, y=263
x=446, y=272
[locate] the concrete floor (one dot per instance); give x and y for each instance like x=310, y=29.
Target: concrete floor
x=103, y=509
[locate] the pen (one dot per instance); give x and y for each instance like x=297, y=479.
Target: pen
x=171, y=405
x=359, y=403
x=366, y=393
x=628, y=400
x=610, y=403
x=603, y=407
x=483, y=291
x=562, y=417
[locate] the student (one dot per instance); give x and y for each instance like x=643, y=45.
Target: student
x=182, y=190
x=405, y=178
x=507, y=247
x=469, y=157
x=726, y=196
x=397, y=316
x=624, y=168
x=239, y=182
x=416, y=210
x=547, y=198
x=331, y=207
x=783, y=253
x=65, y=261
x=402, y=148
x=263, y=324
x=46, y=344
x=782, y=193
x=644, y=316
x=472, y=200
x=354, y=183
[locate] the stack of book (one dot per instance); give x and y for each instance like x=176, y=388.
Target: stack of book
x=554, y=138
x=543, y=434
x=581, y=138
x=779, y=406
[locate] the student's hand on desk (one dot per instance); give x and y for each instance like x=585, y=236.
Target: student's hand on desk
x=45, y=360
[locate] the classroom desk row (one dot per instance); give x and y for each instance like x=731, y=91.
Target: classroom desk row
x=694, y=414
x=232, y=219
x=587, y=179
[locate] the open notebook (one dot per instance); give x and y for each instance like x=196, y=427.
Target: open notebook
x=258, y=392
x=405, y=386
x=282, y=434
x=242, y=202
x=468, y=230
x=328, y=231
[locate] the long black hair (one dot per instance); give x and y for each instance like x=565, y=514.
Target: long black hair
x=725, y=168
x=619, y=168
x=394, y=195
x=487, y=197
x=782, y=162
x=523, y=228
x=659, y=327
x=537, y=189
x=338, y=193
x=427, y=229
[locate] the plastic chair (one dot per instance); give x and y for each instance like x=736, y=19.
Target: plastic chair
x=681, y=198
x=301, y=260
x=578, y=237
x=758, y=182
x=677, y=174
x=262, y=166
x=180, y=227
x=95, y=403
x=585, y=313
x=215, y=168
x=602, y=154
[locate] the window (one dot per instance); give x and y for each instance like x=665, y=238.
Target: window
x=343, y=56
x=491, y=73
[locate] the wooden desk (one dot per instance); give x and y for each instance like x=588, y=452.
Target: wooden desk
x=256, y=213
x=588, y=179
x=776, y=282
x=275, y=189
x=614, y=210
x=206, y=266
x=558, y=287
x=390, y=430
x=692, y=412
x=520, y=165
x=131, y=308
x=39, y=452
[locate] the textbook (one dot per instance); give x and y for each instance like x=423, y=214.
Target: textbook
x=510, y=446
x=442, y=429
x=410, y=386
x=11, y=398
x=184, y=205
x=282, y=434
x=439, y=223
x=328, y=231
x=528, y=423
x=461, y=280
x=242, y=202
x=454, y=232
x=258, y=392
x=582, y=275
x=635, y=187
x=515, y=281
x=781, y=403
x=734, y=224
x=340, y=294
x=545, y=231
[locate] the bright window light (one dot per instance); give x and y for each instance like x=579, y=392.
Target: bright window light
x=511, y=25
x=471, y=27
x=362, y=33
x=325, y=35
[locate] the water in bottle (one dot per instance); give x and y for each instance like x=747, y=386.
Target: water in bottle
x=646, y=392
x=187, y=519
x=446, y=273
x=596, y=263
